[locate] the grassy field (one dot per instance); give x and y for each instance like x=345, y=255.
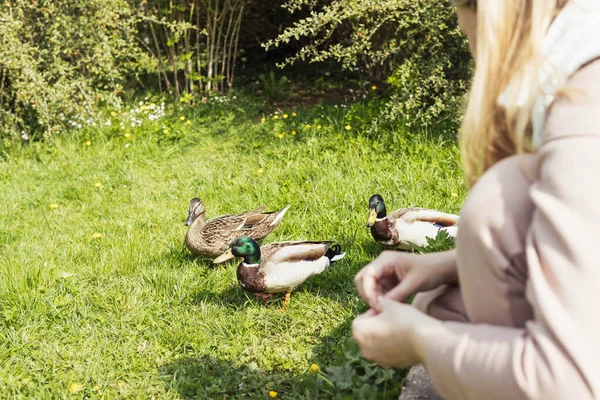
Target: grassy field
x=99, y=298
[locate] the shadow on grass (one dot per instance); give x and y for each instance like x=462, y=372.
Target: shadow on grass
x=178, y=256
x=332, y=284
x=233, y=297
x=182, y=253
x=373, y=249
x=210, y=378
x=336, y=283
x=345, y=373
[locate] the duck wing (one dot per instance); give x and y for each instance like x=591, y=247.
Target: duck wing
x=411, y=215
x=287, y=264
x=230, y=222
x=271, y=218
x=294, y=251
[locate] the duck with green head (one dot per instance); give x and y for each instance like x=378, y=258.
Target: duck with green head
x=279, y=267
x=211, y=238
x=407, y=228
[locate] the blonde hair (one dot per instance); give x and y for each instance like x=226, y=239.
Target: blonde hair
x=509, y=51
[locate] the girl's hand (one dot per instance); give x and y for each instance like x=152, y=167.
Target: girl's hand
x=396, y=275
x=391, y=335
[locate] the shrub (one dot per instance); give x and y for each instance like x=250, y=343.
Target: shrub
x=61, y=58
x=194, y=43
x=415, y=46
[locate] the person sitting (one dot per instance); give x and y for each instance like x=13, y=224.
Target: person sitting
x=510, y=313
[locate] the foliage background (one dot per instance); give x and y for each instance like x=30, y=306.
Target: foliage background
x=62, y=60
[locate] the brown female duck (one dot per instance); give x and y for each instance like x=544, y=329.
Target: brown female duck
x=212, y=238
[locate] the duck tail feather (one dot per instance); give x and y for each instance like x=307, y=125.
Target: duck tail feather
x=280, y=215
x=334, y=253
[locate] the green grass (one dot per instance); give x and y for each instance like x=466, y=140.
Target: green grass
x=133, y=314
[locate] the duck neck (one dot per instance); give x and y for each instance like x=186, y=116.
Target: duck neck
x=252, y=259
x=200, y=221
x=382, y=213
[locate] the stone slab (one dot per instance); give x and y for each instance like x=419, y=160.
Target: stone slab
x=418, y=386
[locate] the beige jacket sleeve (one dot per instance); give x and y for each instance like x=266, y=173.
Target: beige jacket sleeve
x=557, y=355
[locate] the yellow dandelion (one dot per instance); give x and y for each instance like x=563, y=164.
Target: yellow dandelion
x=96, y=235
x=280, y=136
x=166, y=131
x=314, y=368
x=307, y=126
x=182, y=118
x=260, y=171
x=188, y=122
x=63, y=163
x=348, y=127
x=53, y=206
x=285, y=116
x=89, y=143
x=263, y=120
x=75, y=387
x=318, y=126
x=98, y=184
x=272, y=394
x=144, y=107
x=293, y=114
x=373, y=87
x=96, y=388
x=113, y=114
x=454, y=194
x=275, y=116
x=128, y=134
x=294, y=133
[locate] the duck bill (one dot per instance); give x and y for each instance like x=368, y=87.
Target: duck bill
x=189, y=219
x=228, y=255
x=372, y=217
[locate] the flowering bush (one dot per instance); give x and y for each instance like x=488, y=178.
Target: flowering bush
x=61, y=58
x=415, y=46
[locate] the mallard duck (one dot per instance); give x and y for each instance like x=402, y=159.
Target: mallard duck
x=211, y=238
x=407, y=228
x=279, y=267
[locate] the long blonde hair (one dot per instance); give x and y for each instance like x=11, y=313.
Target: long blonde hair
x=509, y=51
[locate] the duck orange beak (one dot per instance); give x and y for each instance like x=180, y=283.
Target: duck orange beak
x=228, y=255
x=372, y=217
